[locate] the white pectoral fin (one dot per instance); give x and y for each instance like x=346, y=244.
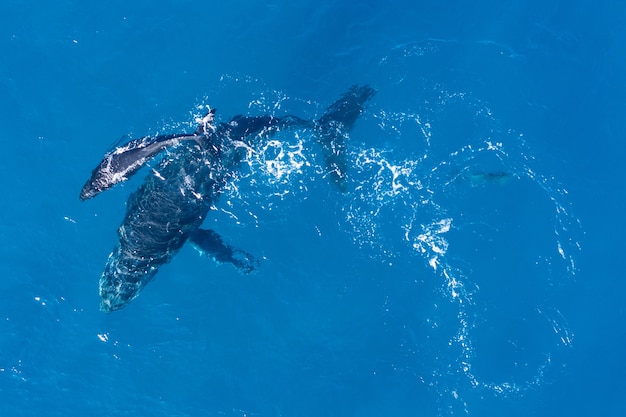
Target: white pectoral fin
x=125, y=160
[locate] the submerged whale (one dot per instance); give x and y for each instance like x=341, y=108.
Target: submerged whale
x=168, y=209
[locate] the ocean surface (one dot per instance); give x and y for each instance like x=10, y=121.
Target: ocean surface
x=474, y=267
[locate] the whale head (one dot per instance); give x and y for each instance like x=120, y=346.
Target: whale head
x=123, y=279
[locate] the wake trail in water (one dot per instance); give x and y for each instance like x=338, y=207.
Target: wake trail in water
x=478, y=216
x=486, y=230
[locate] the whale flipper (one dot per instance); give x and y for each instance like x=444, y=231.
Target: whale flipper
x=124, y=161
x=209, y=243
x=334, y=126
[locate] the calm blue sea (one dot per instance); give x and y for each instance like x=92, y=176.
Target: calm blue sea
x=474, y=267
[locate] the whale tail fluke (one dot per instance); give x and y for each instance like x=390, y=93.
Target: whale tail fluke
x=334, y=126
x=347, y=109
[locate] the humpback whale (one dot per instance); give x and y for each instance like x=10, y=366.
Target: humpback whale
x=169, y=207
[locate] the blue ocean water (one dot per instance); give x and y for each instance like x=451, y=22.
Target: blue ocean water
x=473, y=268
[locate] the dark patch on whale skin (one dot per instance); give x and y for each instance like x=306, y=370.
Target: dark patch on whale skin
x=171, y=205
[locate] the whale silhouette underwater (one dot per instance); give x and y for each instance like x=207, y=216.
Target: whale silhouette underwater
x=168, y=209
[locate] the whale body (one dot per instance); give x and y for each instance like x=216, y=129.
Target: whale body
x=170, y=206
